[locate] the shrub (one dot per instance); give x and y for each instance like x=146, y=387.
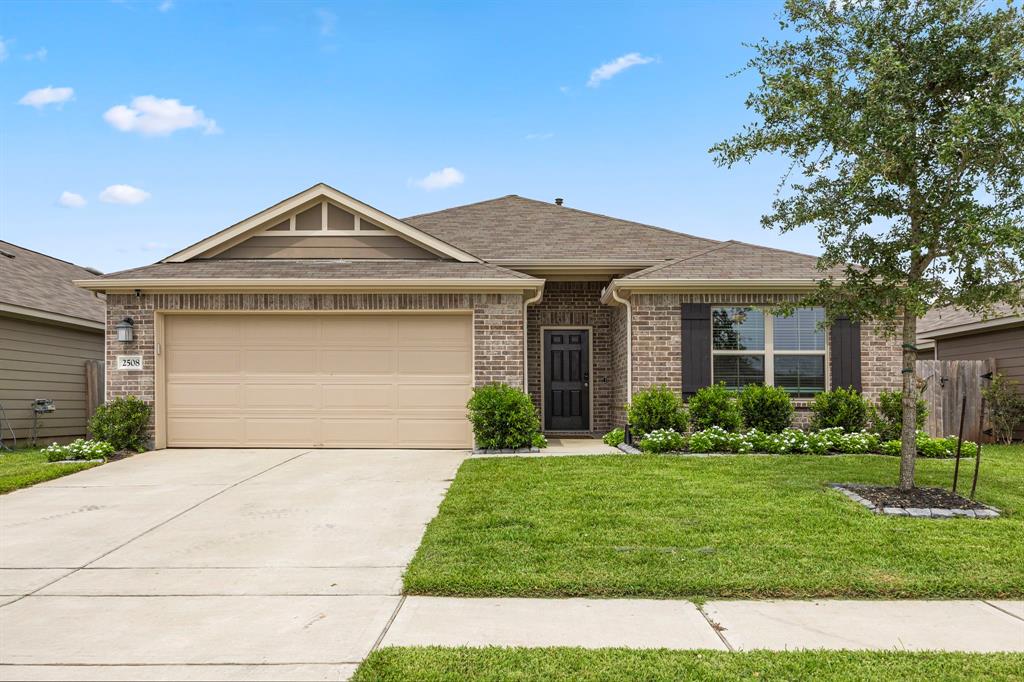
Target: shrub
x=1005, y=407
x=714, y=406
x=654, y=409
x=122, y=422
x=615, y=437
x=539, y=441
x=887, y=418
x=765, y=408
x=78, y=449
x=503, y=418
x=843, y=408
x=940, y=448
x=663, y=440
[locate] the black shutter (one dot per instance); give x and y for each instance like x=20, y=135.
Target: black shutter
x=696, y=341
x=845, y=354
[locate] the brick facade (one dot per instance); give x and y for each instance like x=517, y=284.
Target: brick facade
x=497, y=327
x=657, y=342
x=576, y=304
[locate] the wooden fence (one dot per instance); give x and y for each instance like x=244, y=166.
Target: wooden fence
x=946, y=382
x=95, y=384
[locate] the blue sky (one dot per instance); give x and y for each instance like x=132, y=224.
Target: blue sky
x=371, y=98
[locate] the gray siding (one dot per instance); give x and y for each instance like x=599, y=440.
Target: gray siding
x=45, y=361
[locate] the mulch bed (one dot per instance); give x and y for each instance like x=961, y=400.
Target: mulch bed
x=921, y=498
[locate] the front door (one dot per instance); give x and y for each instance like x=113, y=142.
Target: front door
x=566, y=380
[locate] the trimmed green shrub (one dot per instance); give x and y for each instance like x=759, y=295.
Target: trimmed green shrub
x=615, y=437
x=78, y=449
x=663, y=440
x=714, y=406
x=656, y=408
x=765, y=408
x=503, y=418
x=839, y=408
x=122, y=422
x=1005, y=407
x=887, y=417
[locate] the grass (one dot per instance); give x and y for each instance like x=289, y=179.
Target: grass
x=737, y=526
x=434, y=663
x=22, y=468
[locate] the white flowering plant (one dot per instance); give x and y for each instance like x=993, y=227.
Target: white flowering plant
x=78, y=450
x=937, y=448
x=663, y=440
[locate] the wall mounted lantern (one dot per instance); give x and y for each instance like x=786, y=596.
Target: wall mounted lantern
x=125, y=330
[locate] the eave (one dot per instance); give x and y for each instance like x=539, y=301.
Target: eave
x=298, y=285
x=708, y=286
x=46, y=316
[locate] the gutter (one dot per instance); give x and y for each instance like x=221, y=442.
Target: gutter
x=526, y=348
x=51, y=317
x=270, y=285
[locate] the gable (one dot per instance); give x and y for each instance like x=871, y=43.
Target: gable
x=321, y=222
x=320, y=229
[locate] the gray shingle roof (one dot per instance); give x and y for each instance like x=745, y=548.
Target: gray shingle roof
x=939, y=319
x=318, y=269
x=516, y=228
x=736, y=260
x=35, y=280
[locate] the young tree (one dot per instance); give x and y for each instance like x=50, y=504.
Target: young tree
x=904, y=122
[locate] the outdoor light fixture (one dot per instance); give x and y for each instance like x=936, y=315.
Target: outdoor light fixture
x=125, y=330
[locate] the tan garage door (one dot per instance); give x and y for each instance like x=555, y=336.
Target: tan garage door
x=330, y=380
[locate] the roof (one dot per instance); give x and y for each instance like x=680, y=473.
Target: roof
x=951, y=320
x=37, y=285
x=516, y=229
x=314, y=275
x=737, y=260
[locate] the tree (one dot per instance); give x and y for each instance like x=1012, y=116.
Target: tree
x=904, y=124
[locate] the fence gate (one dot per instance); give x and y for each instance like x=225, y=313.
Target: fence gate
x=946, y=382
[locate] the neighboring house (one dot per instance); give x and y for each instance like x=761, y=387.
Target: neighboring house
x=49, y=328
x=323, y=321
x=956, y=334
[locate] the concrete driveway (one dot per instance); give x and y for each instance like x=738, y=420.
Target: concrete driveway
x=212, y=564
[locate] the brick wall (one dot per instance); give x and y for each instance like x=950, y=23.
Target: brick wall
x=569, y=304
x=497, y=327
x=657, y=342
x=619, y=363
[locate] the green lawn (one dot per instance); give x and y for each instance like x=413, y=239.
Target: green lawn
x=737, y=526
x=431, y=663
x=22, y=468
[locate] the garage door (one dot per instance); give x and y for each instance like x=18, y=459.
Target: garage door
x=331, y=380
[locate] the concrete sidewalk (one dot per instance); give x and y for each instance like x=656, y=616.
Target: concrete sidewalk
x=970, y=626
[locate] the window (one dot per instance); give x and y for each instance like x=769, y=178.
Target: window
x=750, y=346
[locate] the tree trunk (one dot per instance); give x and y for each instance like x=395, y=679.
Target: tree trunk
x=908, y=436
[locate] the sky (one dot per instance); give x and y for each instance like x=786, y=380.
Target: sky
x=129, y=130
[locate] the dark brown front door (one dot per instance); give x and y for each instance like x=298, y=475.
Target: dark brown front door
x=566, y=380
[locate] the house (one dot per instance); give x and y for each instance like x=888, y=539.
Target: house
x=49, y=330
x=952, y=333
x=323, y=321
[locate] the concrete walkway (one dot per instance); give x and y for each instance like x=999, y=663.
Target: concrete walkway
x=971, y=626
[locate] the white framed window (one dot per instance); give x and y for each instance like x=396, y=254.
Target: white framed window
x=751, y=346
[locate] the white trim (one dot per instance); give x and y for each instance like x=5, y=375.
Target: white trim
x=310, y=195
x=590, y=372
x=47, y=316
x=710, y=286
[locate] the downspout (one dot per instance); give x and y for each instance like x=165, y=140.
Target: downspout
x=526, y=348
x=629, y=342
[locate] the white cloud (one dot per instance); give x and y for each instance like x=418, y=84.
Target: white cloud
x=123, y=194
x=539, y=136
x=3, y=49
x=614, y=68
x=166, y=5
x=48, y=95
x=71, y=200
x=39, y=55
x=327, y=21
x=151, y=115
x=446, y=177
